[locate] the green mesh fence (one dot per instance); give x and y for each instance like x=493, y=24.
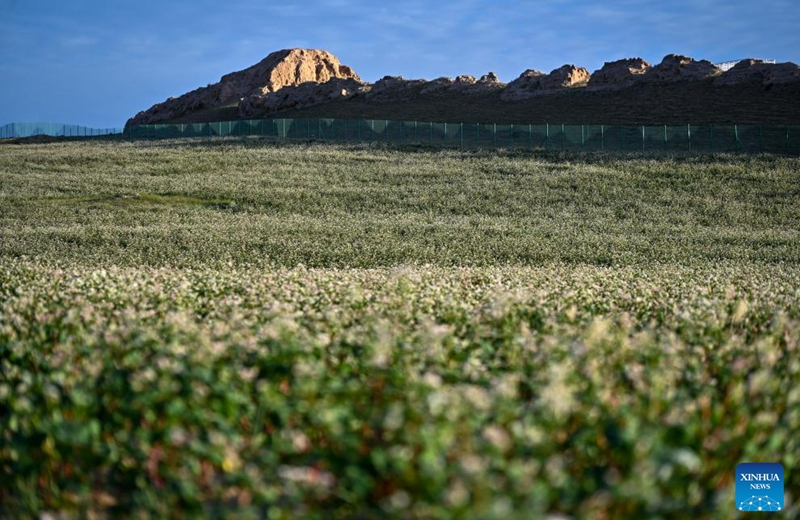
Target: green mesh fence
x=14, y=130
x=777, y=139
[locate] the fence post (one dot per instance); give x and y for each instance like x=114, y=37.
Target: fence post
x=494, y=135
x=712, y=139
x=787, y=139
x=689, y=136
x=430, y=132
x=602, y=138
x=547, y=140
x=665, y=138
x=583, y=139
x=642, y=137
x=530, y=136
x=512, y=136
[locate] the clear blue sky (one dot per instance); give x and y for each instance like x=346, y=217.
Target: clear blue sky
x=98, y=62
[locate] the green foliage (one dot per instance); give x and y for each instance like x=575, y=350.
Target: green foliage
x=413, y=392
x=185, y=374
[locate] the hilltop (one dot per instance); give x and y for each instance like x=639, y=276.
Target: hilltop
x=679, y=89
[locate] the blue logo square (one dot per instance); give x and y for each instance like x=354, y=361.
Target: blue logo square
x=759, y=486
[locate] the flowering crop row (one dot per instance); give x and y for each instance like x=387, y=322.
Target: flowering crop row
x=409, y=392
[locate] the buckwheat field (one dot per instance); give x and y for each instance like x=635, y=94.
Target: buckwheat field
x=238, y=328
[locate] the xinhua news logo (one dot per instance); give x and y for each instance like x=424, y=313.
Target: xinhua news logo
x=759, y=486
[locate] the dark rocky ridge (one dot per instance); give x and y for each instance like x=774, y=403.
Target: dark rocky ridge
x=311, y=83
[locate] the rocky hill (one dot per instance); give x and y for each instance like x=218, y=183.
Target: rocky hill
x=313, y=83
x=286, y=68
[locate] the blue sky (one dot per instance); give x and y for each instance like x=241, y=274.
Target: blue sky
x=98, y=62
